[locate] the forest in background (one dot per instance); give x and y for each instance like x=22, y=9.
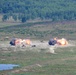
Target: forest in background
x=23, y=10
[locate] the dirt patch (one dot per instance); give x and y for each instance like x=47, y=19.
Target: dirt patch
x=36, y=46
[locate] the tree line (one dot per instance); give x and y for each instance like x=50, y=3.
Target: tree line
x=24, y=10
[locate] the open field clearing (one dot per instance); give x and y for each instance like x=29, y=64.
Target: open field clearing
x=39, y=30
x=39, y=60
x=37, y=37
x=5, y=24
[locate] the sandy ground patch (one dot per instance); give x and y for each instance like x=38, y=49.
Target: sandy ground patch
x=36, y=45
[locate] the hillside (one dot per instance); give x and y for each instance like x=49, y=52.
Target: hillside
x=39, y=60
x=24, y=10
x=39, y=30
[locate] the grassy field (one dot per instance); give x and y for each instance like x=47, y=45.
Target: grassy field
x=36, y=60
x=39, y=30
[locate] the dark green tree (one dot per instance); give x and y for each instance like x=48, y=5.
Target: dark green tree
x=4, y=18
x=14, y=17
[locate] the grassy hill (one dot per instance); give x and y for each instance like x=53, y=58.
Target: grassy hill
x=39, y=30
x=24, y=10
x=36, y=60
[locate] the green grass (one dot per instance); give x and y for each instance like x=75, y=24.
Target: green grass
x=39, y=30
x=62, y=63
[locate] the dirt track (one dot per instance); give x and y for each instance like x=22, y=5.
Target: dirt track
x=36, y=45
